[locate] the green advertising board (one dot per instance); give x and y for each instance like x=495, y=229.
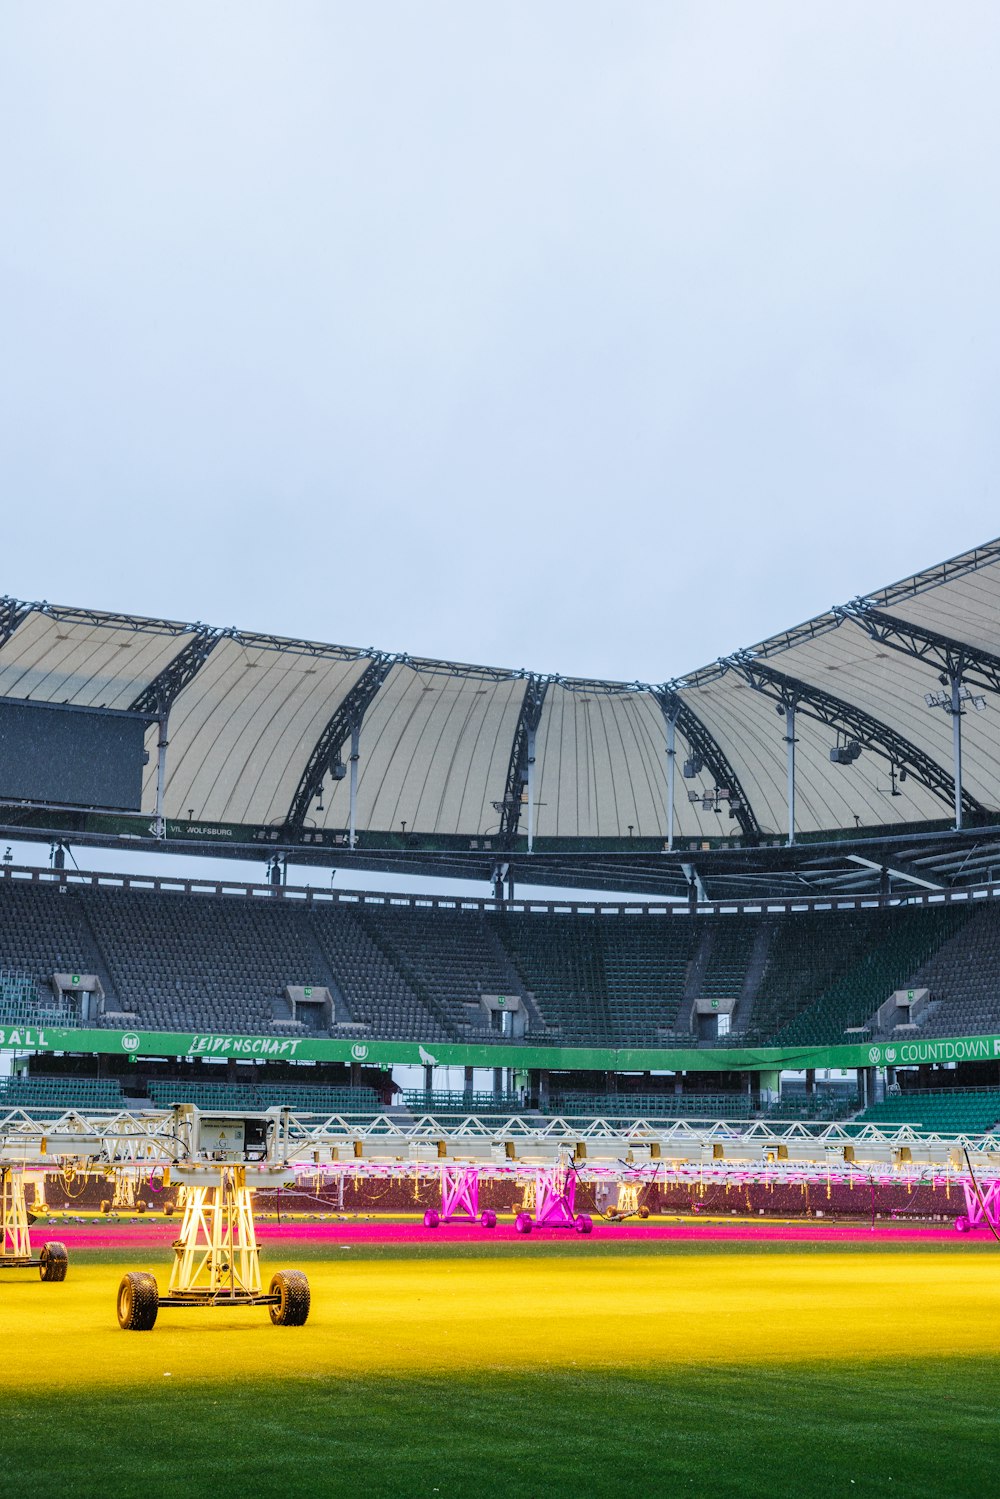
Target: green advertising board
x=21, y=1038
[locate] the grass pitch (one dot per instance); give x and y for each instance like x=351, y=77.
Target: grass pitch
x=547, y=1372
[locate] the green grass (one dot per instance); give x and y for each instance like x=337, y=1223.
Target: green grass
x=877, y=1427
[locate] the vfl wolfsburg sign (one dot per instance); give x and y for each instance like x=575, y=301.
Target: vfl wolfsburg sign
x=907, y=1053
x=377, y=1053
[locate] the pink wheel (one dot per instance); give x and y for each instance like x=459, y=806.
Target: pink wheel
x=584, y=1225
x=962, y=1225
x=488, y=1218
x=523, y=1223
x=431, y=1219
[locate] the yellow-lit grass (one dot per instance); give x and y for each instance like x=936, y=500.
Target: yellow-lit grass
x=440, y=1315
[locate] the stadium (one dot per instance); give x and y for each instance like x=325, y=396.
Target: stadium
x=666, y=1143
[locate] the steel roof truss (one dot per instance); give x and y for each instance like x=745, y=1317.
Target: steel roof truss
x=846, y=717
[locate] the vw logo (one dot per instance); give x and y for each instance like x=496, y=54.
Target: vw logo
x=874, y=1055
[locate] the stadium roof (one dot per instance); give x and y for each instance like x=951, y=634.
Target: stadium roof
x=257, y=723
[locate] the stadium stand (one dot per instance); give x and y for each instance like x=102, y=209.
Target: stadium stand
x=20, y=1003
x=651, y=1105
x=175, y=961
x=963, y=976
x=304, y=1097
x=823, y=1106
x=831, y=971
x=945, y=1110
x=444, y=1103
x=73, y=1091
x=449, y=963
x=615, y=980
x=378, y=995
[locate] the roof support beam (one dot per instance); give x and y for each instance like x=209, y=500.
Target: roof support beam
x=846, y=717
x=159, y=696
x=521, y=769
x=344, y=724
x=706, y=748
x=957, y=663
x=943, y=653
x=898, y=870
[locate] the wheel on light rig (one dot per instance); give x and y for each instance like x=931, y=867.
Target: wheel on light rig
x=962, y=1224
x=292, y=1288
x=138, y=1301
x=488, y=1218
x=584, y=1225
x=523, y=1223
x=53, y=1261
x=644, y=1212
x=431, y=1218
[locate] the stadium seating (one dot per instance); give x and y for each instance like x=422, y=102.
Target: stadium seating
x=173, y=961
x=67, y=1092
x=831, y=972
x=618, y=980
x=443, y=1103
x=963, y=977
x=309, y=1098
x=824, y=1106
x=944, y=1110
x=20, y=1003
x=649, y=1105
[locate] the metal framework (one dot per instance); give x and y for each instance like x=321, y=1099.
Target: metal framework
x=96, y=1138
x=555, y=1203
x=158, y=696
x=708, y=749
x=343, y=725
x=15, y=1236
x=460, y=1199
x=12, y=614
x=943, y=572
x=942, y=652
x=838, y=714
x=521, y=770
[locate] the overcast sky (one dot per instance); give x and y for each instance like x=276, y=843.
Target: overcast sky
x=592, y=338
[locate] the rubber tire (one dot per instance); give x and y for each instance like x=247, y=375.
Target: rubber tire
x=962, y=1225
x=523, y=1223
x=293, y=1308
x=54, y=1261
x=644, y=1212
x=488, y=1218
x=431, y=1218
x=584, y=1225
x=138, y=1301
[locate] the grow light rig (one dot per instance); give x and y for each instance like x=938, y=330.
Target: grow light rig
x=15, y=1230
x=220, y=1158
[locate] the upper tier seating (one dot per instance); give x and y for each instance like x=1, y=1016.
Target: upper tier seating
x=827, y=973
x=963, y=977
x=172, y=961
x=603, y=980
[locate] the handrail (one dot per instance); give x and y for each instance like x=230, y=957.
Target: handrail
x=312, y=895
